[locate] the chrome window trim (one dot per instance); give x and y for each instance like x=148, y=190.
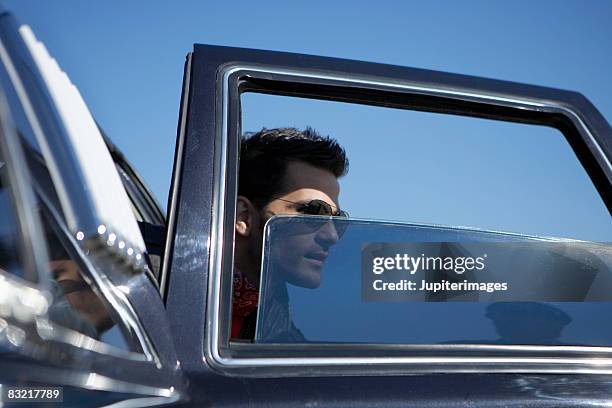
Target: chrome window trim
x=99, y=382
x=296, y=365
x=145, y=402
x=180, y=143
x=18, y=173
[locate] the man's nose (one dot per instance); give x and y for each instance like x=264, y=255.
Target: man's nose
x=327, y=235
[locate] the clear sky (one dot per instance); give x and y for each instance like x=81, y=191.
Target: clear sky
x=435, y=168
x=126, y=57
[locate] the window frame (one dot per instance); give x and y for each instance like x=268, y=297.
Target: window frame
x=586, y=131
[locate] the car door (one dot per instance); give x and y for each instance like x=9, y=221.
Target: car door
x=80, y=312
x=439, y=356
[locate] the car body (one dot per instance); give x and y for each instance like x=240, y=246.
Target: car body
x=176, y=320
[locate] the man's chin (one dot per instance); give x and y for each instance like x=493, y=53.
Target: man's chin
x=308, y=277
x=311, y=283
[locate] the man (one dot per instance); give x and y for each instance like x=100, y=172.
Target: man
x=75, y=304
x=283, y=171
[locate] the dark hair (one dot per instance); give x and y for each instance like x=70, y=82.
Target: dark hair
x=264, y=156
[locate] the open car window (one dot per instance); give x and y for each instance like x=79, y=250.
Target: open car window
x=430, y=167
x=445, y=183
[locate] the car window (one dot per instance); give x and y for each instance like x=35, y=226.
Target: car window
x=414, y=168
x=75, y=301
x=78, y=303
x=383, y=282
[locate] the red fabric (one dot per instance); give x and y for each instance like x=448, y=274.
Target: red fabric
x=244, y=301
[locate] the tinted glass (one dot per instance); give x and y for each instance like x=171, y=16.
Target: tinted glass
x=77, y=302
x=455, y=286
x=9, y=233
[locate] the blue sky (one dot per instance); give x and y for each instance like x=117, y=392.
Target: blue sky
x=452, y=170
x=127, y=57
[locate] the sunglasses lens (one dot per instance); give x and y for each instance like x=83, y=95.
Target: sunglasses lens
x=318, y=207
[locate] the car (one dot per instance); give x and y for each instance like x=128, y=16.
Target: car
x=107, y=301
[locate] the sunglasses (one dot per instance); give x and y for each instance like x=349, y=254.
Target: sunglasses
x=320, y=207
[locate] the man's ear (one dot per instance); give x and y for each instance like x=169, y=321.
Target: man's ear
x=246, y=215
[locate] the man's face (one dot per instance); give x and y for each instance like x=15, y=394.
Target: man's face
x=85, y=301
x=301, y=256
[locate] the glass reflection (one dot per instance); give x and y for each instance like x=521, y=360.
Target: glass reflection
x=9, y=260
x=560, y=290
x=527, y=322
x=77, y=303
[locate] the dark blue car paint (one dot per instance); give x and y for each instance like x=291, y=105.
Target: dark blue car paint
x=188, y=273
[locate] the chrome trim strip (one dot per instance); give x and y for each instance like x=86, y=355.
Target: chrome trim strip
x=97, y=382
x=52, y=331
x=107, y=241
x=144, y=402
x=19, y=173
x=52, y=165
x=498, y=364
x=176, y=178
x=93, y=381
x=217, y=234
